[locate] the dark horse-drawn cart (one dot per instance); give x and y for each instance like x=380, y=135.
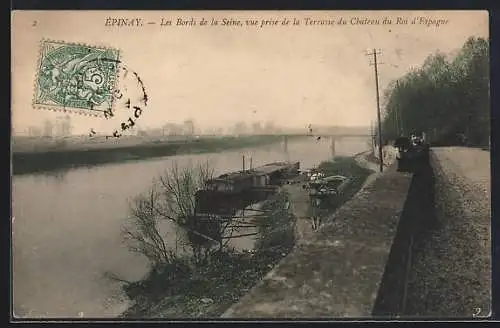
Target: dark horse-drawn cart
x=412, y=153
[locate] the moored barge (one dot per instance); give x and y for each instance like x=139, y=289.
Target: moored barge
x=232, y=191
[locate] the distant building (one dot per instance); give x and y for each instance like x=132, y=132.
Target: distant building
x=256, y=128
x=189, y=127
x=269, y=128
x=63, y=126
x=172, y=129
x=34, y=131
x=240, y=128
x=155, y=132
x=48, y=129
x=209, y=131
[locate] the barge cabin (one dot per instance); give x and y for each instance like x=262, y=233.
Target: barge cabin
x=232, y=191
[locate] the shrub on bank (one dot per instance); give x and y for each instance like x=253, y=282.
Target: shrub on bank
x=206, y=291
x=348, y=167
x=276, y=233
x=189, y=286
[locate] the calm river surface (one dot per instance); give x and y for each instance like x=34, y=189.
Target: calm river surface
x=67, y=227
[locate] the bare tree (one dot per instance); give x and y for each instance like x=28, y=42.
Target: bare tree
x=172, y=199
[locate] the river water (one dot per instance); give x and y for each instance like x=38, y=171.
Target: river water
x=67, y=227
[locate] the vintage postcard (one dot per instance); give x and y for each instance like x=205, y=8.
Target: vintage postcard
x=250, y=164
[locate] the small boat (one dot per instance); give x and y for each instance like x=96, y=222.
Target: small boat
x=316, y=176
x=329, y=186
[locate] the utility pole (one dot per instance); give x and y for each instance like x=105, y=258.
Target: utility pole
x=372, y=140
x=375, y=65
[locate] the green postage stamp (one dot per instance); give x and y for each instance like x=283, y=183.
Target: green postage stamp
x=76, y=77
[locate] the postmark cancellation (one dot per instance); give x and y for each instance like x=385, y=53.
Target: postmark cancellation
x=76, y=78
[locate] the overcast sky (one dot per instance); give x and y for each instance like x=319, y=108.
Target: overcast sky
x=295, y=75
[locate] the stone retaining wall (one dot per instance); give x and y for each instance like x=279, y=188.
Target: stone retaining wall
x=337, y=271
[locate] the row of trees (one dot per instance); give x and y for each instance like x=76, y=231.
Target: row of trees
x=443, y=98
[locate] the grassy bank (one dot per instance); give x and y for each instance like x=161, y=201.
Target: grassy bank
x=206, y=290
x=183, y=289
x=49, y=160
x=349, y=167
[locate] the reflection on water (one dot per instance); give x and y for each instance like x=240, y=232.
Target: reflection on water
x=67, y=232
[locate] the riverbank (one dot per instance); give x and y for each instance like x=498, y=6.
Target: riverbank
x=184, y=289
x=71, y=156
x=208, y=290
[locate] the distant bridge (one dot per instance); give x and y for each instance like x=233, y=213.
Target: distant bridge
x=334, y=135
